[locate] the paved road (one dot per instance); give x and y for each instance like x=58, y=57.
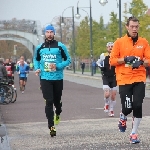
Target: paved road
x=84, y=126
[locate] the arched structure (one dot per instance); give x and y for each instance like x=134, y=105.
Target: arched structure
x=23, y=41
x=19, y=33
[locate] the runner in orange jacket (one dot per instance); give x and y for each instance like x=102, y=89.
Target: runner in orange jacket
x=130, y=55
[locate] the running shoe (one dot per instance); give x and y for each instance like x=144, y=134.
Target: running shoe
x=122, y=123
x=56, y=119
x=52, y=131
x=106, y=108
x=111, y=114
x=134, y=138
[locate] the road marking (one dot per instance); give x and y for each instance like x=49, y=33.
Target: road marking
x=96, y=108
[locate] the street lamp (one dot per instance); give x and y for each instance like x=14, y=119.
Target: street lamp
x=73, y=33
x=103, y=2
x=91, y=40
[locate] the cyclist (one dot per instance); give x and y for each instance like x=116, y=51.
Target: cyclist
x=3, y=71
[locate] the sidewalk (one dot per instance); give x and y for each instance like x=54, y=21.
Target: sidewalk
x=4, y=141
x=97, y=77
x=83, y=124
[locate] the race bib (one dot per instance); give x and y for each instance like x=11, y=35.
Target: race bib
x=8, y=72
x=48, y=66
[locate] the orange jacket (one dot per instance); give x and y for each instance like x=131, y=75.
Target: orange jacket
x=124, y=47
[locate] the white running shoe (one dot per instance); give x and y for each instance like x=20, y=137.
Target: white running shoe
x=106, y=108
x=111, y=114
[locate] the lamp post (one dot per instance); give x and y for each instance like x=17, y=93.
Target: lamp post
x=103, y=2
x=91, y=35
x=73, y=33
x=60, y=30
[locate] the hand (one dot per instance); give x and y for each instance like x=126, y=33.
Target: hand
x=145, y=63
x=129, y=59
x=37, y=72
x=137, y=64
x=52, y=67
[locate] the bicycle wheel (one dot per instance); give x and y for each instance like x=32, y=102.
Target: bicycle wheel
x=14, y=98
x=8, y=94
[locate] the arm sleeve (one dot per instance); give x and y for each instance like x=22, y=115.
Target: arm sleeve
x=100, y=60
x=36, y=55
x=65, y=56
x=115, y=54
x=147, y=52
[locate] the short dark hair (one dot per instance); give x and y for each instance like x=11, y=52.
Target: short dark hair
x=132, y=18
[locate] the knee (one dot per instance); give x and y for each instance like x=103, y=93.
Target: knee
x=49, y=103
x=137, y=110
x=106, y=93
x=113, y=97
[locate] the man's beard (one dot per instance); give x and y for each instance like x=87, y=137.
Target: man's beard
x=50, y=38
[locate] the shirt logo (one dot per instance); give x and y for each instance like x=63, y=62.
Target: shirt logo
x=139, y=47
x=49, y=57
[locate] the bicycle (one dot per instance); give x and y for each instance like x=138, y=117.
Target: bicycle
x=14, y=90
x=6, y=93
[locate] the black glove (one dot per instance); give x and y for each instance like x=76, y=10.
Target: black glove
x=129, y=59
x=137, y=64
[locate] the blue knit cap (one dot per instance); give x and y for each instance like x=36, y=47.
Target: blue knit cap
x=49, y=27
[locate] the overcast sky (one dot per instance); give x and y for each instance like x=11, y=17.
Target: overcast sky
x=46, y=10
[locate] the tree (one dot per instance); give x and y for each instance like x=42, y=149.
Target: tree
x=138, y=9
x=82, y=39
x=99, y=37
x=113, y=27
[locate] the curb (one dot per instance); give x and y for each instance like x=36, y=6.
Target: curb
x=84, y=76
x=4, y=141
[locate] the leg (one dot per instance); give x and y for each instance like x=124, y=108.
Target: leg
x=125, y=92
x=21, y=83
x=106, y=89
x=113, y=86
x=138, y=96
x=47, y=90
x=57, y=92
x=112, y=102
x=25, y=81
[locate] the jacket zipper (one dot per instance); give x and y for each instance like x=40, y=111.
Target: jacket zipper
x=49, y=46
